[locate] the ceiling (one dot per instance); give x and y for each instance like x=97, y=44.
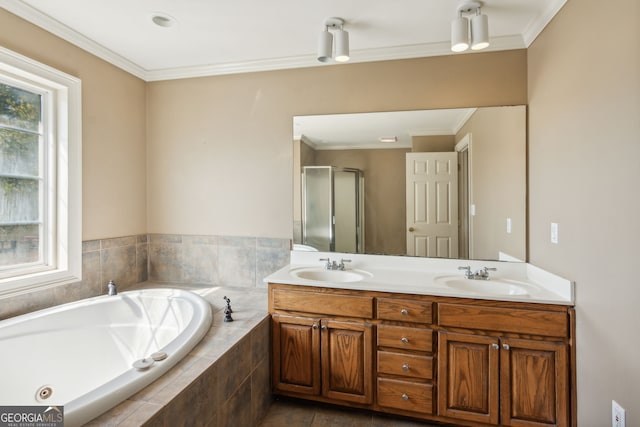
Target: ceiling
x=364, y=130
x=213, y=37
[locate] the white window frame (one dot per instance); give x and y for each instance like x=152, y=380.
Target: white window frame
x=64, y=216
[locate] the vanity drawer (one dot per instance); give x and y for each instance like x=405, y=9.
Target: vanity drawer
x=406, y=338
x=323, y=303
x=534, y=322
x=408, y=365
x=405, y=310
x=410, y=396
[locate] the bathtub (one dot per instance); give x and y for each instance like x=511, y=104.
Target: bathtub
x=81, y=355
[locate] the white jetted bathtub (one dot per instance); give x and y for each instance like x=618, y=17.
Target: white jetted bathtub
x=92, y=354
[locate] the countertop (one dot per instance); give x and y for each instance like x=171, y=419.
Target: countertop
x=429, y=276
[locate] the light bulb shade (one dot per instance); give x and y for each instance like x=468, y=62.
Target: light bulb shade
x=460, y=34
x=479, y=32
x=342, y=46
x=325, y=46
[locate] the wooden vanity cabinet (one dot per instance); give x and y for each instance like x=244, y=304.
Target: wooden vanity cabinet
x=405, y=362
x=320, y=356
x=454, y=360
x=490, y=377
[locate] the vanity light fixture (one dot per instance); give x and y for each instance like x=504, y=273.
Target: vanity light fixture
x=325, y=41
x=478, y=36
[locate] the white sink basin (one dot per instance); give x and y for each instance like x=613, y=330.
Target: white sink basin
x=486, y=287
x=336, y=276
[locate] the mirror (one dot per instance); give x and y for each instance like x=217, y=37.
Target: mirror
x=483, y=202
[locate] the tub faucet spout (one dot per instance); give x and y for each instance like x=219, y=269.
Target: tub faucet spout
x=112, y=288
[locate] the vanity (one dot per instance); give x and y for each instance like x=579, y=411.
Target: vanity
x=415, y=337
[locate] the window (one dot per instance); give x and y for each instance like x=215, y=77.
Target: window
x=40, y=175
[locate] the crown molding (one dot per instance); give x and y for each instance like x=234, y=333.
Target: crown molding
x=57, y=28
x=306, y=61
x=536, y=26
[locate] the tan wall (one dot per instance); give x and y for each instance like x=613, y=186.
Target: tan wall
x=433, y=143
x=220, y=156
x=584, y=105
x=384, y=194
x=498, y=181
x=113, y=130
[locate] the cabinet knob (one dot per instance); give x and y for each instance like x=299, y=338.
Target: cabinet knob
x=411, y=229
x=323, y=327
x=404, y=396
x=404, y=312
x=314, y=326
x=404, y=340
x=405, y=367
x=505, y=346
x=495, y=346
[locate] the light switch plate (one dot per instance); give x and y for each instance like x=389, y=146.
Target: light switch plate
x=617, y=415
x=554, y=233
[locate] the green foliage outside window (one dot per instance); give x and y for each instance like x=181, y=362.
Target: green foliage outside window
x=20, y=112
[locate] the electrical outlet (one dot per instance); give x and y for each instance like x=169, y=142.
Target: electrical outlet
x=554, y=233
x=617, y=415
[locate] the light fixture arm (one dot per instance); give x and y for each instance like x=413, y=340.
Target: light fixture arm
x=334, y=24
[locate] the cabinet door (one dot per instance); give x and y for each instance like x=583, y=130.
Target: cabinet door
x=347, y=355
x=534, y=383
x=468, y=377
x=296, y=354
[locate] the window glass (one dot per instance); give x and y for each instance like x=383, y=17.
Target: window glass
x=21, y=178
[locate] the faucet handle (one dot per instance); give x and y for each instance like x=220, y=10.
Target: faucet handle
x=328, y=263
x=483, y=273
x=342, y=261
x=467, y=270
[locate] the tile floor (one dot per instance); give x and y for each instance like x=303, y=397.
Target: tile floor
x=294, y=413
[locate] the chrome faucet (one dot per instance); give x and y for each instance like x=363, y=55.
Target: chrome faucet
x=481, y=274
x=342, y=261
x=333, y=265
x=467, y=271
x=329, y=265
x=111, y=288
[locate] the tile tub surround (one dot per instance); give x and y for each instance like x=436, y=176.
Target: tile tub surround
x=216, y=260
x=223, y=381
x=173, y=258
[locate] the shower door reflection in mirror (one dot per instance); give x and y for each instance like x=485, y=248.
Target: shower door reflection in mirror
x=332, y=209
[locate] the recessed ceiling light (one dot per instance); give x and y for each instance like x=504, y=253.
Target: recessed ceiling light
x=388, y=139
x=163, y=20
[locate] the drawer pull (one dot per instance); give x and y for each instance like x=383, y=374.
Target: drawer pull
x=404, y=396
x=404, y=312
x=405, y=367
x=404, y=340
